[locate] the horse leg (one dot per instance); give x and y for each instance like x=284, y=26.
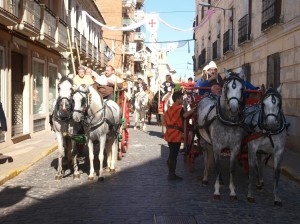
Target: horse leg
x=135, y=119
x=112, y=147
x=206, y=160
x=149, y=116
x=277, y=164
x=259, y=169
x=101, y=156
x=61, y=153
x=233, y=156
x=91, y=158
x=252, y=163
x=143, y=118
x=217, y=170
x=76, y=174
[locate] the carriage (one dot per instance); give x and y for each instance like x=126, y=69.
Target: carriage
x=192, y=145
x=123, y=102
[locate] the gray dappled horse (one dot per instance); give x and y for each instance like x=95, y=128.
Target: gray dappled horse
x=64, y=126
x=102, y=120
x=267, y=122
x=220, y=124
x=141, y=106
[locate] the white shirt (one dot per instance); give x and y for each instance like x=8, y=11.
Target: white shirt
x=104, y=80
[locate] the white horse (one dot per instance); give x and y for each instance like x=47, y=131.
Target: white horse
x=140, y=112
x=267, y=122
x=220, y=124
x=64, y=126
x=102, y=120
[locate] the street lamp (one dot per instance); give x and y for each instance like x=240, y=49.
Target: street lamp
x=205, y=4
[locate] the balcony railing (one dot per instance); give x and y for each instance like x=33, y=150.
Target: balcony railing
x=76, y=38
x=128, y=3
x=9, y=12
x=244, y=29
x=62, y=35
x=139, y=36
x=30, y=15
x=139, y=56
x=83, y=44
x=271, y=11
x=95, y=54
x=49, y=26
x=90, y=50
x=227, y=41
x=126, y=21
x=216, y=50
x=139, y=15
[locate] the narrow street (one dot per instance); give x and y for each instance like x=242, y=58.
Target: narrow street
x=139, y=192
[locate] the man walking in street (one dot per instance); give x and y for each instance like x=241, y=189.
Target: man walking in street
x=173, y=119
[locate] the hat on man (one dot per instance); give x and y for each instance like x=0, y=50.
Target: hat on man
x=205, y=68
x=212, y=64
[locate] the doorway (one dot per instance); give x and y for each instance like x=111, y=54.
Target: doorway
x=17, y=93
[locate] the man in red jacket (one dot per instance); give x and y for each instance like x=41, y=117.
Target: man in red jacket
x=173, y=119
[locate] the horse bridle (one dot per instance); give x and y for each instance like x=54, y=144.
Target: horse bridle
x=234, y=77
x=273, y=94
x=69, y=112
x=86, y=101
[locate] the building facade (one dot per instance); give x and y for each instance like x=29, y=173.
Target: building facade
x=34, y=48
x=263, y=37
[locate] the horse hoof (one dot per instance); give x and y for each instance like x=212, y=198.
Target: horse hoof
x=205, y=182
x=101, y=179
x=251, y=199
x=90, y=178
x=233, y=198
x=76, y=176
x=112, y=170
x=217, y=197
x=259, y=187
x=58, y=177
x=278, y=203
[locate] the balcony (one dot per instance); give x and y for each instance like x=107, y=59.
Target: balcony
x=89, y=53
x=49, y=26
x=83, y=43
x=130, y=49
x=9, y=12
x=216, y=50
x=76, y=38
x=138, y=57
x=244, y=29
x=30, y=24
x=139, y=36
x=128, y=3
x=126, y=21
x=271, y=11
x=227, y=41
x=95, y=55
x=62, y=40
x=139, y=15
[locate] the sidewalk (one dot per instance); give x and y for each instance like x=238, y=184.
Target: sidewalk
x=16, y=158
x=21, y=156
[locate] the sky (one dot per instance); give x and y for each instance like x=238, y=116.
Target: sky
x=180, y=14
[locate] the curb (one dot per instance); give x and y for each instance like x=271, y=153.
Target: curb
x=16, y=172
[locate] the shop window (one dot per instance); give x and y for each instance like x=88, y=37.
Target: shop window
x=38, y=87
x=52, y=87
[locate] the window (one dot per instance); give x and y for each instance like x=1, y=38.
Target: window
x=271, y=10
x=2, y=89
x=273, y=70
x=38, y=87
x=244, y=29
x=247, y=71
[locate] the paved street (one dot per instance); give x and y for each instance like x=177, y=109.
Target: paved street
x=140, y=193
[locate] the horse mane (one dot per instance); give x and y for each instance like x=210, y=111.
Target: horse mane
x=66, y=78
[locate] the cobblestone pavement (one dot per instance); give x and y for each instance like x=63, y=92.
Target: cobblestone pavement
x=140, y=193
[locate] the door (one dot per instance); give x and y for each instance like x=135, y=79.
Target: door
x=17, y=93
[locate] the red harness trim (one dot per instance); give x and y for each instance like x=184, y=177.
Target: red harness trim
x=254, y=136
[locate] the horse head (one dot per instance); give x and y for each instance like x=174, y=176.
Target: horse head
x=64, y=103
x=271, y=116
x=80, y=97
x=232, y=93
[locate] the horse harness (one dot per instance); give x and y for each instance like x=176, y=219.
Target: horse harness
x=87, y=120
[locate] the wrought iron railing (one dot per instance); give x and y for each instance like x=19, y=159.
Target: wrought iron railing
x=32, y=11
x=62, y=33
x=11, y=6
x=49, y=23
x=227, y=41
x=271, y=10
x=244, y=29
